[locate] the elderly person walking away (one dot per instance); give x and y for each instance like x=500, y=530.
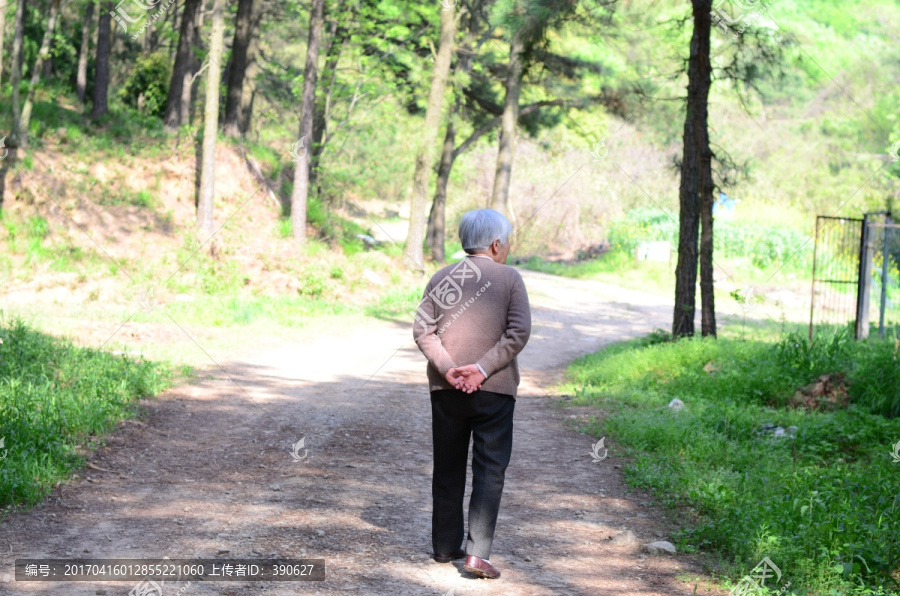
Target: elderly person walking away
x=473, y=321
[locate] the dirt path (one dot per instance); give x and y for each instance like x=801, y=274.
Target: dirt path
x=212, y=471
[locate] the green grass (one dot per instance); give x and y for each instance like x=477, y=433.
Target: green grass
x=123, y=131
x=238, y=310
x=284, y=229
x=396, y=304
x=823, y=506
x=30, y=237
x=614, y=268
x=56, y=400
x=125, y=197
x=612, y=262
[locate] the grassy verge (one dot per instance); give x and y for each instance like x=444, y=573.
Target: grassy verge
x=55, y=401
x=396, y=304
x=823, y=505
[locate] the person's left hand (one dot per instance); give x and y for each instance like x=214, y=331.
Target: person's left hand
x=455, y=377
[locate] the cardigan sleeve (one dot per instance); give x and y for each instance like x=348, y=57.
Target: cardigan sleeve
x=518, y=330
x=425, y=329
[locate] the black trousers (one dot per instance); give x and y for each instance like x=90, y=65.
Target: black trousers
x=487, y=417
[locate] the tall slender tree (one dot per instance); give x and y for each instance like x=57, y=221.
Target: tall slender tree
x=695, y=191
x=16, y=75
x=472, y=22
x=205, y=201
x=528, y=22
x=3, y=6
x=425, y=153
x=101, y=74
x=240, y=46
x=337, y=36
x=43, y=55
x=190, y=89
x=435, y=236
x=84, y=50
x=181, y=71
x=300, y=192
x=174, y=27
x=506, y=145
x=249, y=94
x=47, y=62
x=707, y=267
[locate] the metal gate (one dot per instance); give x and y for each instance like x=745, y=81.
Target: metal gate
x=879, y=278
x=835, y=272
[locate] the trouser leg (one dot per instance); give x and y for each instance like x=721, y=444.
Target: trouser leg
x=450, y=434
x=492, y=446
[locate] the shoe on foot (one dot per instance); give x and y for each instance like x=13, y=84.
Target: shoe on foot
x=481, y=567
x=446, y=558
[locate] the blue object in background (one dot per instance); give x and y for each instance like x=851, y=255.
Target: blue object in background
x=724, y=207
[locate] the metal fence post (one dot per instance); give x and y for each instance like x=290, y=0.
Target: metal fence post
x=886, y=259
x=812, y=298
x=865, y=281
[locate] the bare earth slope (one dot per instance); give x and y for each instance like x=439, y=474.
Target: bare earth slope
x=211, y=471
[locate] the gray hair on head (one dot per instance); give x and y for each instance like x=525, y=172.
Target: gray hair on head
x=479, y=228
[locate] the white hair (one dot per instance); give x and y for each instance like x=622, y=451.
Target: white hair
x=479, y=228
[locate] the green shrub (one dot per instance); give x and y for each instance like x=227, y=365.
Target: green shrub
x=642, y=225
x=764, y=245
x=38, y=227
x=875, y=380
x=311, y=284
x=827, y=352
x=147, y=85
x=142, y=198
x=284, y=228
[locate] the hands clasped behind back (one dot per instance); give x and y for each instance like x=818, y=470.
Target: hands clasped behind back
x=467, y=379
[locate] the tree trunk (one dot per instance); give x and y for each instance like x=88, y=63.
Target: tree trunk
x=48, y=59
x=81, y=77
x=436, y=224
x=323, y=101
x=145, y=41
x=153, y=37
x=42, y=56
x=16, y=76
x=101, y=75
x=172, y=47
x=424, y=156
x=2, y=31
x=707, y=282
x=243, y=29
x=191, y=87
x=696, y=180
x=250, y=77
x=307, y=106
x=506, y=144
x=174, y=116
x=211, y=122
x=708, y=313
